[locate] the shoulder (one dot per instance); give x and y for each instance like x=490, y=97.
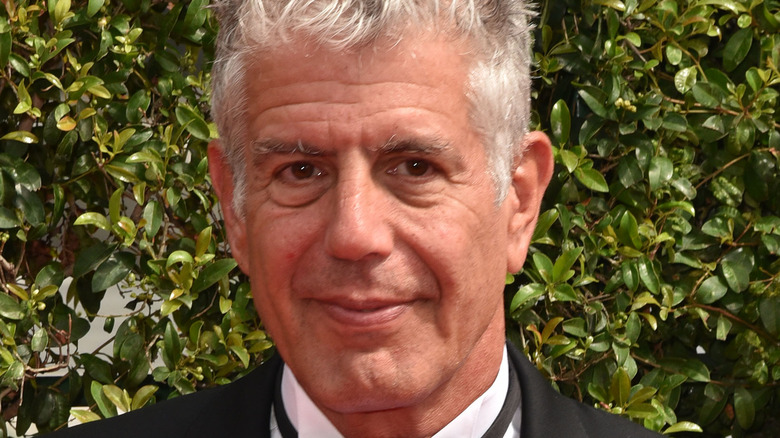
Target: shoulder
x=210, y=412
x=545, y=412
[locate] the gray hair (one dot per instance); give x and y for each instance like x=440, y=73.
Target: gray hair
x=499, y=81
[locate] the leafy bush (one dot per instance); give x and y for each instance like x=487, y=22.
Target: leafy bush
x=652, y=288
x=104, y=181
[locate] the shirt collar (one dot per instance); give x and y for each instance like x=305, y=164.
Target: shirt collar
x=309, y=421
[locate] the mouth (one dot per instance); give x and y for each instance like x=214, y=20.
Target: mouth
x=364, y=314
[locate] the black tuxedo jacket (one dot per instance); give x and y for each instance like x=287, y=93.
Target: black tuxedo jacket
x=242, y=409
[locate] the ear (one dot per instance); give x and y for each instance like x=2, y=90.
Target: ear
x=222, y=180
x=529, y=180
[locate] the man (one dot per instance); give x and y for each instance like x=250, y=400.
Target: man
x=377, y=181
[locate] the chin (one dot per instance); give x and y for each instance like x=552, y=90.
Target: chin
x=373, y=402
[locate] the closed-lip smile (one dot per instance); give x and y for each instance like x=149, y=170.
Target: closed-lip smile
x=363, y=313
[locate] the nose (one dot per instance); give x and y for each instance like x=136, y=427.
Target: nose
x=359, y=225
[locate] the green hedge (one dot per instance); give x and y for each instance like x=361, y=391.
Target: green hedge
x=653, y=284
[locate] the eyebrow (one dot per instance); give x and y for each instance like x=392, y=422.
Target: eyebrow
x=273, y=146
x=427, y=147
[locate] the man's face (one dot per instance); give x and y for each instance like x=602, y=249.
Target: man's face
x=376, y=250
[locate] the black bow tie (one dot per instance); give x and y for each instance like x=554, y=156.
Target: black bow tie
x=496, y=430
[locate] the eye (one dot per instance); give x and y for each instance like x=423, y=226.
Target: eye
x=299, y=183
x=302, y=170
x=414, y=167
x=299, y=171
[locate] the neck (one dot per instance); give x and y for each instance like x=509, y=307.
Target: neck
x=424, y=419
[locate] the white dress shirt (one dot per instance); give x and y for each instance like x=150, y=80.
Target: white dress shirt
x=473, y=422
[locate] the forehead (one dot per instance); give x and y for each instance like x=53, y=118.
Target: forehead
x=417, y=74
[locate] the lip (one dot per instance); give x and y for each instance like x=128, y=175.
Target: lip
x=364, y=314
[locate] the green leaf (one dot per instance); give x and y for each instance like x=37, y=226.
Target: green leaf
x=92, y=257
x=153, y=215
x=692, y=368
x=633, y=328
x=203, y=241
x=564, y=292
x=707, y=95
x=178, y=256
x=719, y=227
x=30, y=205
x=195, y=15
x=544, y=265
x=744, y=407
x=561, y=268
x=737, y=48
x=213, y=273
x=241, y=353
x=629, y=171
x=543, y=224
x=575, y=327
x=97, y=368
x=675, y=122
x=569, y=159
x=18, y=291
x=92, y=218
x=648, y=275
x=40, y=340
x=171, y=346
x=634, y=39
x=117, y=396
x=137, y=106
x=23, y=68
x=549, y=328
x=682, y=426
x=630, y=275
x=526, y=294
x=711, y=290
x=642, y=395
x=21, y=136
x=225, y=304
x=112, y=271
x=99, y=91
x=5, y=48
x=673, y=54
x=9, y=308
x=723, y=327
x=594, y=97
x=620, y=388
x=25, y=175
x=115, y=205
x=60, y=9
x=84, y=416
x=8, y=219
x=592, y=179
x=627, y=232
x=25, y=102
x=104, y=404
x=560, y=122
x=754, y=79
x=142, y=396
x=66, y=124
x=94, y=6
x=51, y=274
x=769, y=309
x=685, y=79
x=193, y=122
x=736, y=267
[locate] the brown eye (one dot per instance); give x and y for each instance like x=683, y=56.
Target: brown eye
x=417, y=167
x=302, y=170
